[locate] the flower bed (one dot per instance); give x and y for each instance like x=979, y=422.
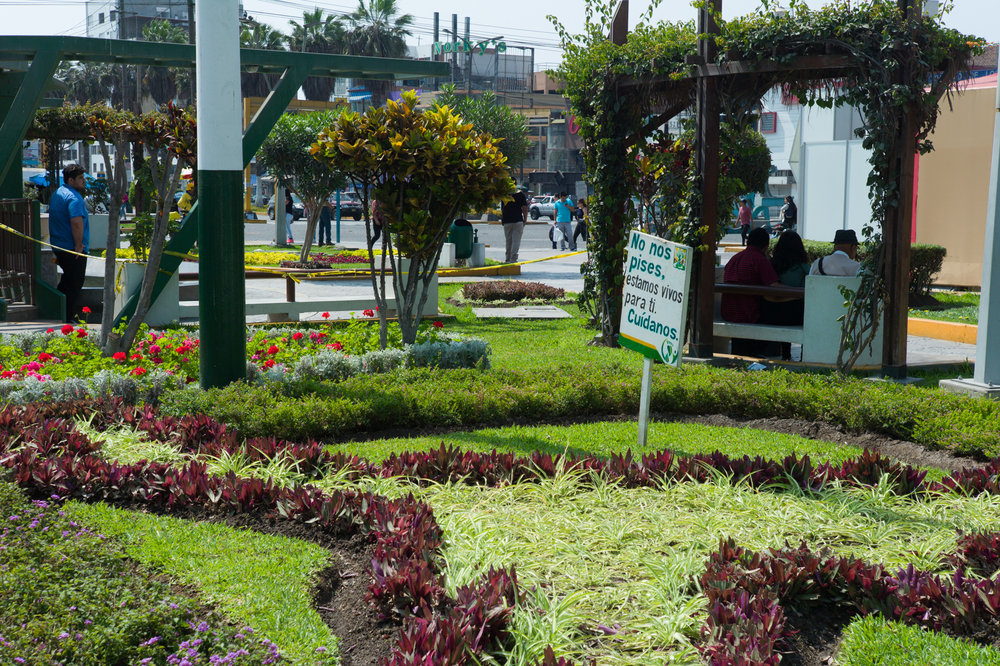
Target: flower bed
x=71, y=352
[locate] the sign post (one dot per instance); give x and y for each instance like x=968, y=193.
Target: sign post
x=654, y=308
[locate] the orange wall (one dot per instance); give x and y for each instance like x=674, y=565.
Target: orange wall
x=953, y=185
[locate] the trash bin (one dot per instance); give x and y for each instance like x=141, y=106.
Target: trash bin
x=460, y=234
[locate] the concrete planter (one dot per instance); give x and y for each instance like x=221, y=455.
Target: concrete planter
x=163, y=310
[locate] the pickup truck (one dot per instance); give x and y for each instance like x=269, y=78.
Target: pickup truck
x=542, y=207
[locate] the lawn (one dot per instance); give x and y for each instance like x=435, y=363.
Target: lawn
x=960, y=307
x=607, y=569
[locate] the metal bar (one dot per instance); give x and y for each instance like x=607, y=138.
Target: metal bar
x=22, y=109
x=267, y=115
x=644, y=400
x=86, y=49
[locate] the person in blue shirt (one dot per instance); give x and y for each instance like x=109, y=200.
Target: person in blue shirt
x=564, y=222
x=69, y=232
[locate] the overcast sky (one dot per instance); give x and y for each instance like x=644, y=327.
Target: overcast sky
x=521, y=22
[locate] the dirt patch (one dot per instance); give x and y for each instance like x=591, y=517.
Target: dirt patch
x=904, y=451
x=814, y=632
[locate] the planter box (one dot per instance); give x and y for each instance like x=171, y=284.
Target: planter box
x=163, y=310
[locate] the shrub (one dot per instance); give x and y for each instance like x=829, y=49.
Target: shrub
x=511, y=291
x=925, y=261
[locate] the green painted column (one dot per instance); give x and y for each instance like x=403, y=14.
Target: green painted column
x=222, y=288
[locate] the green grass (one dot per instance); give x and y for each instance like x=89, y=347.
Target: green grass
x=605, y=438
x=960, y=307
x=873, y=641
x=262, y=580
x=591, y=553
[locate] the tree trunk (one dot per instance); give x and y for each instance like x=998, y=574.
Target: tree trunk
x=116, y=188
x=312, y=216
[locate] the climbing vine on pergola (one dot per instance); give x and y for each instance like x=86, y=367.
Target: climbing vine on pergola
x=881, y=56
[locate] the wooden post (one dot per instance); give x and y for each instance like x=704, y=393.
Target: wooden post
x=707, y=163
x=898, y=229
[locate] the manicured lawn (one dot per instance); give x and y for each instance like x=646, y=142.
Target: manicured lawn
x=961, y=307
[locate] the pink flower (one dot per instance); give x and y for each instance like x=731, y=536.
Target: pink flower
x=119, y=356
x=66, y=329
x=438, y=324
x=154, y=349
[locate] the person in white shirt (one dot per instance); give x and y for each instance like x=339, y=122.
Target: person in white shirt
x=843, y=261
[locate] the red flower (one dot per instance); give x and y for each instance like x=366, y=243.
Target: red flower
x=138, y=371
x=44, y=357
x=273, y=349
x=81, y=333
x=337, y=346
x=368, y=313
x=85, y=310
x=119, y=356
x=50, y=330
x=135, y=357
x=438, y=324
x=269, y=363
x=66, y=329
x=296, y=335
x=326, y=315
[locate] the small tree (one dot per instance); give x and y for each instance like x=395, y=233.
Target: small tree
x=422, y=167
x=488, y=116
x=170, y=140
x=285, y=154
x=117, y=128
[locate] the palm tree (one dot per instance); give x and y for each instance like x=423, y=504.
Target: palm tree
x=260, y=36
x=164, y=83
x=378, y=30
x=318, y=33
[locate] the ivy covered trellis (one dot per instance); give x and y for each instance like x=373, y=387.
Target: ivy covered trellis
x=882, y=56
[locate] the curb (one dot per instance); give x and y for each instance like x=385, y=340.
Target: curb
x=942, y=330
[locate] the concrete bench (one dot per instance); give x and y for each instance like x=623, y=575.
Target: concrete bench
x=820, y=332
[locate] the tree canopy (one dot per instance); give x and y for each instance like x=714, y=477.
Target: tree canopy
x=488, y=116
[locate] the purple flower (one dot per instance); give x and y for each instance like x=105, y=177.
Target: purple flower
x=152, y=641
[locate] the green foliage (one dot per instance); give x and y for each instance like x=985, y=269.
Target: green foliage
x=140, y=233
x=490, y=117
x=70, y=597
x=958, y=307
x=879, y=44
x=874, y=641
x=376, y=28
x=925, y=260
x=422, y=167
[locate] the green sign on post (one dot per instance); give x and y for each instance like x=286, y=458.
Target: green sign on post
x=466, y=45
x=654, y=308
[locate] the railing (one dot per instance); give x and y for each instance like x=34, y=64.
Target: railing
x=17, y=264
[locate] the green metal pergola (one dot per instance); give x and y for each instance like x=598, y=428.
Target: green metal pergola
x=21, y=93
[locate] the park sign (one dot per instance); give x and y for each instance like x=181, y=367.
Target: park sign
x=466, y=45
x=654, y=297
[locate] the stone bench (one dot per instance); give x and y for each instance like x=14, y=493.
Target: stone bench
x=820, y=332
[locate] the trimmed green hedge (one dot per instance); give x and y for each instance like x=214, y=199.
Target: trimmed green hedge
x=925, y=261
x=421, y=398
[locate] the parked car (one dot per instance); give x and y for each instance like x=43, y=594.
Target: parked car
x=298, y=208
x=542, y=207
x=350, y=205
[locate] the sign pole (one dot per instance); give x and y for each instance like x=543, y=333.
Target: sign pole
x=644, y=396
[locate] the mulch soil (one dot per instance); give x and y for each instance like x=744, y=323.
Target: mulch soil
x=814, y=633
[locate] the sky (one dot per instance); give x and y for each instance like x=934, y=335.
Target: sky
x=520, y=22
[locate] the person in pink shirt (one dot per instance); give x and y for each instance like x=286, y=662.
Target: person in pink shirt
x=745, y=219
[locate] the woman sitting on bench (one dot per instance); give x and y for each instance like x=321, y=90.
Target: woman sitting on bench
x=791, y=263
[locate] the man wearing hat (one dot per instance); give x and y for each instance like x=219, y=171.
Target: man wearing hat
x=843, y=261
x=69, y=233
x=514, y=215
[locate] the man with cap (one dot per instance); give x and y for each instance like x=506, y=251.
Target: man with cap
x=69, y=233
x=514, y=215
x=843, y=260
